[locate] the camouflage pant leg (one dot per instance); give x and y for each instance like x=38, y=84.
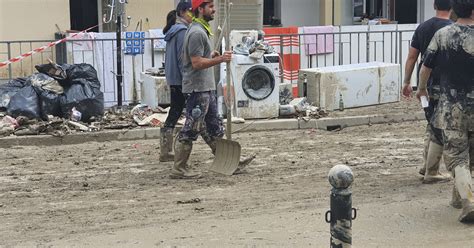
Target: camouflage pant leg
x=214, y=125
x=456, y=148
x=201, y=117
x=435, y=134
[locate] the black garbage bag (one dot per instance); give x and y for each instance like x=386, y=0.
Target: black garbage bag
x=82, y=93
x=87, y=100
x=9, y=89
x=85, y=73
x=25, y=103
x=49, y=103
x=48, y=90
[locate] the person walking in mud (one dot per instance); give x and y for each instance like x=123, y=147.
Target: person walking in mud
x=200, y=87
x=177, y=23
x=433, y=146
x=451, y=52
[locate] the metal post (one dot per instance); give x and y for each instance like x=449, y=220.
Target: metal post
x=119, y=60
x=10, y=76
x=282, y=78
x=117, y=9
x=341, y=214
x=228, y=72
x=400, y=51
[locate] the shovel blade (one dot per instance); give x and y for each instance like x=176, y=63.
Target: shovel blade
x=227, y=157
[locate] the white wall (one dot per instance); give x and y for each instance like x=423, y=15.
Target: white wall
x=300, y=13
x=426, y=10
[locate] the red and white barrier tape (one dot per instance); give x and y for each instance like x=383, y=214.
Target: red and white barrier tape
x=37, y=50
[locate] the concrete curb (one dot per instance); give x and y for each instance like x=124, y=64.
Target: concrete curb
x=258, y=125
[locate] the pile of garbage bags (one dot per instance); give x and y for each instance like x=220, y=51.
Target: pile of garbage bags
x=56, y=90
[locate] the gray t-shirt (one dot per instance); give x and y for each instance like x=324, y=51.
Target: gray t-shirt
x=197, y=43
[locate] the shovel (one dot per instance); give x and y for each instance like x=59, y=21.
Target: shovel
x=227, y=158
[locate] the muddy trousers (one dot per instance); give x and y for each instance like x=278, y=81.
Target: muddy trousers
x=166, y=133
x=457, y=150
x=432, y=154
x=201, y=120
x=433, y=140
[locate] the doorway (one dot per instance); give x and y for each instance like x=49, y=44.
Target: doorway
x=406, y=11
x=84, y=14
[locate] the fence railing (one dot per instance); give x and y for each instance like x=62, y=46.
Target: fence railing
x=327, y=49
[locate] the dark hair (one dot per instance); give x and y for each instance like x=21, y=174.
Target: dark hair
x=463, y=8
x=442, y=4
x=170, y=21
x=196, y=11
x=183, y=6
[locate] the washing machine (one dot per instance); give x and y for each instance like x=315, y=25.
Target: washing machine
x=256, y=86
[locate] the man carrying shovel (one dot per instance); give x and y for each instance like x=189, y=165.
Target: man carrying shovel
x=200, y=87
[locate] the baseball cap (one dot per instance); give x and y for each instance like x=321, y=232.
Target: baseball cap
x=182, y=6
x=197, y=3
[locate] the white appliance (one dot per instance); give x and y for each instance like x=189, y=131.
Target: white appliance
x=236, y=36
x=154, y=90
x=355, y=85
x=256, y=85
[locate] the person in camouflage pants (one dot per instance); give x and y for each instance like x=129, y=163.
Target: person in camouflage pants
x=200, y=88
x=452, y=50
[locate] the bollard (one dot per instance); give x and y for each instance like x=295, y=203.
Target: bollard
x=341, y=214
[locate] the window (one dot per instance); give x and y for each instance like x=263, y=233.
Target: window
x=359, y=8
x=271, y=12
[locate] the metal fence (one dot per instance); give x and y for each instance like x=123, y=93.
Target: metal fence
x=337, y=48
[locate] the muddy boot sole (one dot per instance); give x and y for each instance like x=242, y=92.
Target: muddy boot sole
x=436, y=179
x=467, y=215
x=185, y=177
x=167, y=158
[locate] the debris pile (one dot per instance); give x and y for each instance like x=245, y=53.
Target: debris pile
x=113, y=118
x=55, y=90
x=299, y=107
x=64, y=99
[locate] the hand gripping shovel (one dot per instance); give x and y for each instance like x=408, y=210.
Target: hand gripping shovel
x=227, y=158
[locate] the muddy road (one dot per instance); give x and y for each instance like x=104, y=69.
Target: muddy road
x=117, y=194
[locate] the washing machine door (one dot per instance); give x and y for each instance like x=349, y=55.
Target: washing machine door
x=258, y=82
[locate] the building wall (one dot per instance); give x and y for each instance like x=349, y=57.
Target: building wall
x=300, y=13
x=154, y=10
x=41, y=25
x=343, y=12
x=32, y=19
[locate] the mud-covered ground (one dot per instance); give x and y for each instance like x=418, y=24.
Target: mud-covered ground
x=118, y=195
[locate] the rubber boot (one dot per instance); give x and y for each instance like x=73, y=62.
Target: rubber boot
x=432, y=174
x=463, y=181
x=456, y=201
x=212, y=143
x=181, y=169
x=166, y=145
x=426, y=143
